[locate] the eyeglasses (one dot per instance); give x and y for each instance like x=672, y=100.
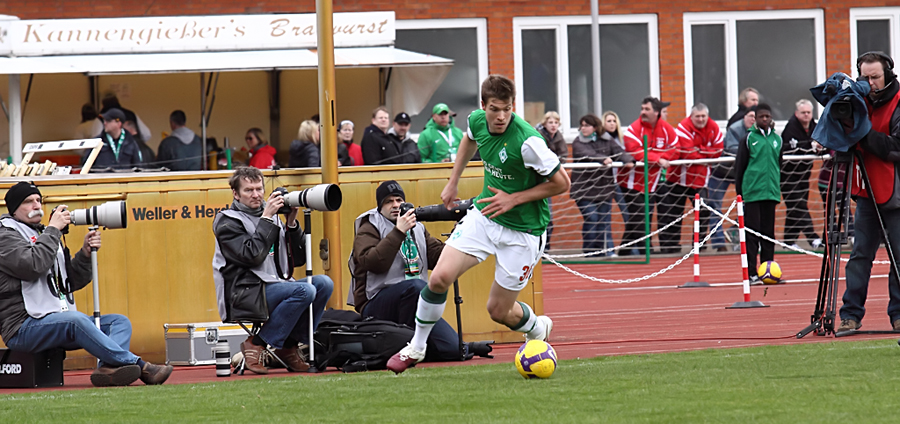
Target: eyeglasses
x=248, y=138
x=870, y=78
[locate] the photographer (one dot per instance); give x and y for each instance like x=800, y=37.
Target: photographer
x=390, y=261
x=37, y=279
x=254, y=247
x=880, y=152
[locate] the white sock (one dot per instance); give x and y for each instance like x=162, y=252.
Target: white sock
x=427, y=314
x=529, y=322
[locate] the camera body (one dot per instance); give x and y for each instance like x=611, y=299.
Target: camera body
x=842, y=109
x=433, y=213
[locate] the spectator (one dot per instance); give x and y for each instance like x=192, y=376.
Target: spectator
x=408, y=151
x=353, y=150
x=661, y=138
x=305, y=149
x=797, y=140
x=748, y=98
x=377, y=147
x=119, y=151
x=722, y=175
x=440, y=139
x=147, y=154
x=262, y=155
x=110, y=101
x=549, y=128
x=183, y=149
x=757, y=179
x=613, y=127
x=90, y=125
x=698, y=138
x=593, y=188
x=389, y=265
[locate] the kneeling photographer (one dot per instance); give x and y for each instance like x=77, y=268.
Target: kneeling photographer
x=391, y=256
x=881, y=152
x=37, y=279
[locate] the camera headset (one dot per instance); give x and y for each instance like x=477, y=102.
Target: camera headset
x=885, y=60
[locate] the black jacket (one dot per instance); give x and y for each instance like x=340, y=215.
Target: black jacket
x=378, y=148
x=129, y=154
x=304, y=154
x=742, y=110
x=796, y=141
x=177, y=156
x=407, y=148
x=595, y=184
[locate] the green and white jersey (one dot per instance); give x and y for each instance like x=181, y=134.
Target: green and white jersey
x=514, y=161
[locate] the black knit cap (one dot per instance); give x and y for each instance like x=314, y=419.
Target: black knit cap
x=388, y=188
x=18, y=193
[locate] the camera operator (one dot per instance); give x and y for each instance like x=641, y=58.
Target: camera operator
x=881, y=152
x=37, y=279
x=253, y=247
x=390, y=261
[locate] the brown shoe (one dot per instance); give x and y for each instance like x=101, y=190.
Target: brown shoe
x=106, y=376
x=291, y=356
x=155, y=374
x=848, y=325
x=896, y=324
x=253, y=357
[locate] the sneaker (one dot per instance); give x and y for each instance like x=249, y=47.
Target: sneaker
x=106, y=376
x=404, y=359
x=849, y=325
x=817, y=243
x=155, y=374
x=541, y=335
x=292, y=358
x=796, y=247
x=253, y=357
x=755, y=281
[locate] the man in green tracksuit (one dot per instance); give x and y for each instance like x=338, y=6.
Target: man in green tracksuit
x=440, y=139
x=758, y=181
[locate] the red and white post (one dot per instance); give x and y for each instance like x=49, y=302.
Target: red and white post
x=746, y=303
x=696, y=252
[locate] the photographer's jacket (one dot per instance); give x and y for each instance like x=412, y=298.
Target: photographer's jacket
x=28, y=254
x=247, y=247
x=376, y=260
x=881, y=150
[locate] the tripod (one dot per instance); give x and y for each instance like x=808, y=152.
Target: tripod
x=836, y=224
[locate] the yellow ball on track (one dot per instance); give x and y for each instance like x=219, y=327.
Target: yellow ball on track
x=769, y=272
x=536, y=359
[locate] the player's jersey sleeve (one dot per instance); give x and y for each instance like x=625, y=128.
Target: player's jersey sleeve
x=469, y=133
x=539, y=157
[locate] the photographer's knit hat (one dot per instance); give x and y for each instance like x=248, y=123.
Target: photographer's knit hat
x=388, y=188
x=18, y=193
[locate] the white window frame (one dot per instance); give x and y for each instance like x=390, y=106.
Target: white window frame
x=560, y=25
x=729, y=19
x=480, y=25
x=892, y=14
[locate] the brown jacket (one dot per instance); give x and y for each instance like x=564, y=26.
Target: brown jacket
x=373, y=254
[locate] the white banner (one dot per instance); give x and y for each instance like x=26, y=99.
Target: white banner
x=189, y=33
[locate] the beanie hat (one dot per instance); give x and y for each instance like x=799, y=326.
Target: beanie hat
x=388, y=188
x=18, y=193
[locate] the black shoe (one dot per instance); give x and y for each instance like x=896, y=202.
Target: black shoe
x=106, y=376
x=482, y=348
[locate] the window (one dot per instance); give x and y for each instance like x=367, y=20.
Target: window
x=873, y=29
x=464, y=41
x=554, y=70
x=780, y=53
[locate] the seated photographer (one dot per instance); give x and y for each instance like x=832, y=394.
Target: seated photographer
x=253, y=247
x=37, y=279
x=389, y=263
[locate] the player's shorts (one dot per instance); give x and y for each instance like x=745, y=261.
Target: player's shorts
x=516, y=252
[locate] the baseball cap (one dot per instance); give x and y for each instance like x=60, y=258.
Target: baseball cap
x=441, y=108
x=112, y=114
x=402, y=118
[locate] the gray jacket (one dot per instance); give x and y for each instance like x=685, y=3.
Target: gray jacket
x=595, y=184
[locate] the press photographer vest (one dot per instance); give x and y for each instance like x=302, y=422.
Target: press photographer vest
x=266, y=271
x=882, y=173
x=39, y=301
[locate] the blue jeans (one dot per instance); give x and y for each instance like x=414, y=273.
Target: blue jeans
x=859, y=267
x=289, y=303
x=716, y=188
x=595, y=234
x=398, y=302
x=72, y=330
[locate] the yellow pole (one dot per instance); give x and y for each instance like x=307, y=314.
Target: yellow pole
x=328, y=141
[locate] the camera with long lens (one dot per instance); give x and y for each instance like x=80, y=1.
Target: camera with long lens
x=439, y=212
x=111, y=215
x=322, y=197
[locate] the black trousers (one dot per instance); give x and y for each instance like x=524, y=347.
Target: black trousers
x=634, y=227
x=797, y=220
x=760, y=217
x=670, y=208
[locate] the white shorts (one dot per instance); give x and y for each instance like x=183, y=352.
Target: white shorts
x=516, y=252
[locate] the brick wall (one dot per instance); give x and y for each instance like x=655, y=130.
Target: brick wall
x=499, y=14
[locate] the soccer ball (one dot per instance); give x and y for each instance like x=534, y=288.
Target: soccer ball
x=536, y=359
x=769, y=272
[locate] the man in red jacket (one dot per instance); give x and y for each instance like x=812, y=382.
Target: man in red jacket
x=661, y=149
x=698, y=138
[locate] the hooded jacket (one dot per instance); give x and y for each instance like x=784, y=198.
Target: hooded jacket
x=304, y=154
x=695, y=143
x=436, y=142
x=378, y=148
x=662, y=143
x=263, y=157
x=595, y=184
x=181, y=151
x=797, y=141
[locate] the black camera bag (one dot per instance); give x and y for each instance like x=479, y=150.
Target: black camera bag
x=350, y=343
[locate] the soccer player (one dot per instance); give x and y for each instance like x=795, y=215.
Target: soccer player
x=509, y=218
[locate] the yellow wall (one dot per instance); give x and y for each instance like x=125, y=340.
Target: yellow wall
x=159, y=271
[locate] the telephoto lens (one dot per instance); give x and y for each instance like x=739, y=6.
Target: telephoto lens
x=112, y=215
x=322, y=197
x=223, y=359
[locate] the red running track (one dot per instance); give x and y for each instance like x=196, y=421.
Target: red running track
x=595, y=319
